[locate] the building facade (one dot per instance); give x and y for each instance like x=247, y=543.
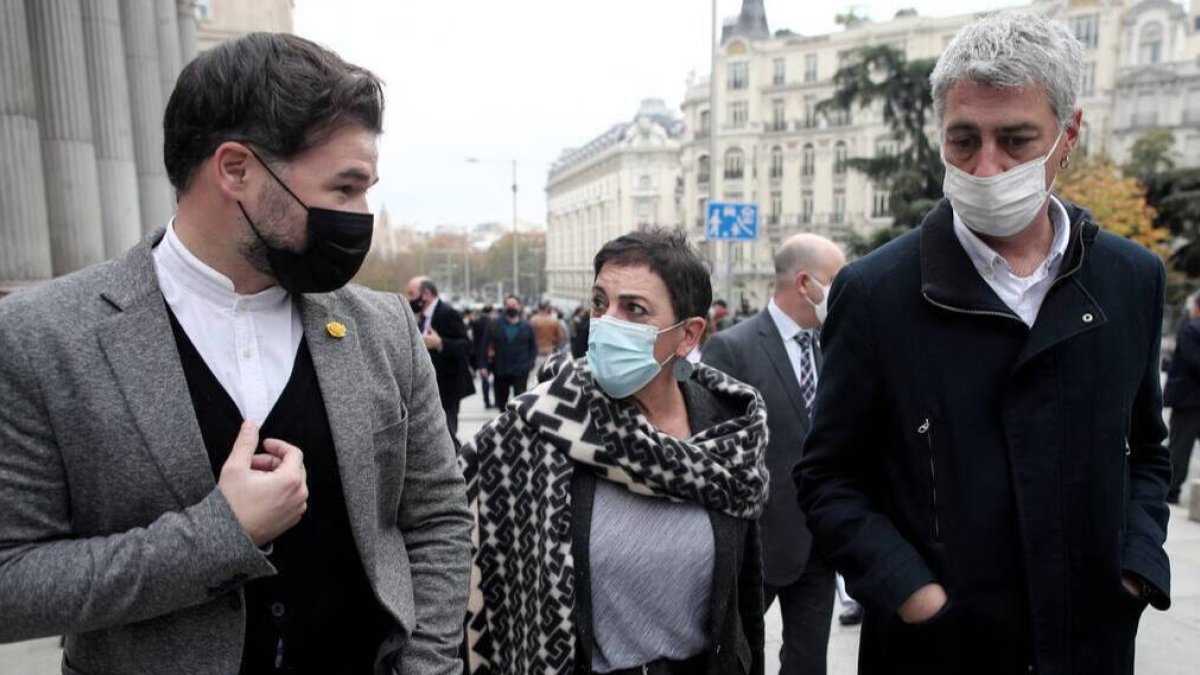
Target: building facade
x=220, y=20
x=83, y=87
x=775, y=149
x=624, y=179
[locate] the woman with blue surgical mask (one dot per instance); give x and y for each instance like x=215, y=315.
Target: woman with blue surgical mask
x=617, y=501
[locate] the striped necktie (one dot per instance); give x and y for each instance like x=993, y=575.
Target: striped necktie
x=808, y=373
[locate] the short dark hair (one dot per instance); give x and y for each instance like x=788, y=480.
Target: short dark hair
x=669, y=255
x=280, y=92
x=513, y=296
x=428, y=285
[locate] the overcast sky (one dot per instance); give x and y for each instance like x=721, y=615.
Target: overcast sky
x=524, y=79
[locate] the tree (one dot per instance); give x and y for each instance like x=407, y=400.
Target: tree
x=1117, y=202
x=881, y=74
x=1151, y=153
x=1175, y=195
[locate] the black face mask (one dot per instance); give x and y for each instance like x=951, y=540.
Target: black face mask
x=338, y=242
x=511, y=312
x=417, y=305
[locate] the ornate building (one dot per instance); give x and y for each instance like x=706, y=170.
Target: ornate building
x=625, y=178
x=83, y=86
x=773, y=148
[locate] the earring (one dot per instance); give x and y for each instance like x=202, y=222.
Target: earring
x=1064, y=162
x=682, y=369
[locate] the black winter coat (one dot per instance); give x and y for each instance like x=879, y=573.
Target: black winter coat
x=1022, y=468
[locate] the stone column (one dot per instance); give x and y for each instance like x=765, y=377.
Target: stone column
x=155, y=197
x=187, y=31
x=113, y=126
x=72, y=187
x=166, y=13
x=24, y=225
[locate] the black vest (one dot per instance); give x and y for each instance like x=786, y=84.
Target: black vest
x=318, y=614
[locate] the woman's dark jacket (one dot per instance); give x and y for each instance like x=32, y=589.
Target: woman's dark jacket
x=1022, y=468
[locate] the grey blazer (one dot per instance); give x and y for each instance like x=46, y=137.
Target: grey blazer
x=739, y=352
x=112, y=531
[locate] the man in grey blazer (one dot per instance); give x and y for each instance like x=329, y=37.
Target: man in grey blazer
x=778, y=353
x=140, y=514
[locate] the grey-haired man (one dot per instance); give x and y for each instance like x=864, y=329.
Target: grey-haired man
x=986, y=464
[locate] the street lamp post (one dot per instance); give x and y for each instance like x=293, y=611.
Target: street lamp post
x=516, y=255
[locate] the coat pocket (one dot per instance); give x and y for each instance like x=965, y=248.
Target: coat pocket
x=925, y=430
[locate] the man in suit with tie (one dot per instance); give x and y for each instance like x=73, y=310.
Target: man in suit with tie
x=141, y=516
x=449, y=346
x=786, y=334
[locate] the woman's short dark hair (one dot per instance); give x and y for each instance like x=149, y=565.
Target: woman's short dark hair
x=280, y=92
x=669, y=255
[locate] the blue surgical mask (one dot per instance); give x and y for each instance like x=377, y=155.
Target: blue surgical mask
x=621, y=355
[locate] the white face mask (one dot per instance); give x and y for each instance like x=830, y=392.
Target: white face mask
x=1000, y=205
x=822, y=307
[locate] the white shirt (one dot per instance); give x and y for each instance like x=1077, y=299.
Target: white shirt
x=788, y=330
x=428, y=312
x=249, y=342
x=1023, y=295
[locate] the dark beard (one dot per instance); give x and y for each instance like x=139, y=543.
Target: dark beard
x=270, y=219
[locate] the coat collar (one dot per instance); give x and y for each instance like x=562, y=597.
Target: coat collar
x=773, y=347
x=949, y=279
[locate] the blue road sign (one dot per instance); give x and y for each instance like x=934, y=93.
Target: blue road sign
x=732, y=221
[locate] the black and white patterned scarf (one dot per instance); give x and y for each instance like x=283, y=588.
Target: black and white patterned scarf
x=518, y=472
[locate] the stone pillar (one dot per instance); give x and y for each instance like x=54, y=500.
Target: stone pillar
x=187, y=31
x=69, y=157
x=24, y=225
x=113, y=126
x=166, y=13
x=155, y=197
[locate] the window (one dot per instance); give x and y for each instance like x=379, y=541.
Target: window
x=839, y=207
x=806, y=207
x=840, y=154
x=705, y=122
x=739, y=76
x=810, y=112
x=202, y=10
x=839, y=117
x=778, y=115
x=886, y=147
x=1087, y=29
x=703, y=167
x=776, y=208
x=779, y=72
x=879, y=203
x=810, y=67
x=735, y=164
x=645, y=184
x=1087, y=80
x=808, y=160
x=1150, y=43
x=739, y=113
x=777, y=162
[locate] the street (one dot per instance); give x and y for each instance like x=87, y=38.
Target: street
x=1168, y=643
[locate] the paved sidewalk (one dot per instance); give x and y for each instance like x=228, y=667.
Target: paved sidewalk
x=1168, y=642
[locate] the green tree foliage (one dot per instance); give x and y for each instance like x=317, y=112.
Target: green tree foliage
x=1175, y=195
x=881, y=75
x=1151, y=153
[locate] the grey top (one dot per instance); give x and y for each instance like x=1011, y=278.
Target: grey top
x=652, y=571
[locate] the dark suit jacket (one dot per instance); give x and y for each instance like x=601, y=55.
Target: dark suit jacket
x=736, y=608
x=739, y=352
x=1183, y=378
x=512, y=357
x=452, y=362
x=480, y=336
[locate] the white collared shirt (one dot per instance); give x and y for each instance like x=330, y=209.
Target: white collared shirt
x=788, y=330
x=428, y=312
x=1023, y=295
x=249, y=342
